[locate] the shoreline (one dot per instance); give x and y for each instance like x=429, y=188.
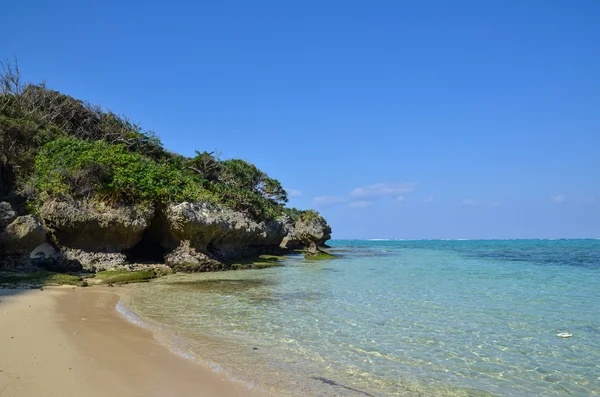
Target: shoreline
x=64, y=340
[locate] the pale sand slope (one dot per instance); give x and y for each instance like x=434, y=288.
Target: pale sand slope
x=72, y=343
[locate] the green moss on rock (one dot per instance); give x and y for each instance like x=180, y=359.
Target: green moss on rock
x=40, y=277
x=321, y=255
x=259, y=262
x=124, y=276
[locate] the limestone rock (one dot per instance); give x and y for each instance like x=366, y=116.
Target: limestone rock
x=95, y=227
x=310, y=233
x=7, y=214
x=187, y=259
x=23, y=234
x=76, y=259
x=221, y=232
x=42, y=251
x=312, y=250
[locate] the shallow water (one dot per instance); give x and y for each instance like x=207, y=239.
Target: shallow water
x=395, y=318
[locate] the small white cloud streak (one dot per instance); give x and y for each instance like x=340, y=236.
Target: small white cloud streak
x=429, y=199
x=329, y=201
x=361, y=204
x=475, y=203
x=558, y=199
x=382, y=190
x=294, y=193
x=400, y=199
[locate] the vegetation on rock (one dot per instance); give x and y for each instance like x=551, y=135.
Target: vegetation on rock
x=56, y=146
x=101, y=191
x=39, y=278
x=70, y=167
x=321, y=255
x=259, y=262
x=124, y=276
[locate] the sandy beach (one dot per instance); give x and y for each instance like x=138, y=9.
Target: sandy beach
x=67, y=341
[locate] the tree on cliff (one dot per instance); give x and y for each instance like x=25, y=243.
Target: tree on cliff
x=242, y=175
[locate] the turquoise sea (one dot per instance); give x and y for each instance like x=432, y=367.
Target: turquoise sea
x=394, y=318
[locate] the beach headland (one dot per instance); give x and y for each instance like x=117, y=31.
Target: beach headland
x=66, y=341
x=88, y=197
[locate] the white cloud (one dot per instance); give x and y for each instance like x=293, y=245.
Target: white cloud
x=469, y=202
x=382, y=190
x=329, y=201
x=400, y=199
x=558, y=199
x=493, y=204
x=361, y=204
x=294, y=193
x=429, y=199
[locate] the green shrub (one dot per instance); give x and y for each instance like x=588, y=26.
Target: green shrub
x=243, y=176
x=309, y=215
x=242, y=187
x=245, y=201
x=19, y=141
x=84, y=169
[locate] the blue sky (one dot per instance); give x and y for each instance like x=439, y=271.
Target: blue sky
x=395, y=119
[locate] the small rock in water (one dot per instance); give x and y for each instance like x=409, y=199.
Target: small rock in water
x=564, y=335
x=255, y=348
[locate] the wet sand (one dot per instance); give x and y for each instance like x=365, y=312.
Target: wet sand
x=71, y=342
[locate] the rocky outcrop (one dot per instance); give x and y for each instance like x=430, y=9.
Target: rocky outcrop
x=309, y=232
x=193, y=230
x=186, y=258
x=93, y=233
x=312, y=231
x=7, y=215
x=186, y=236
x=76, y=259
x=211, y=228
x=22, y=235
x=47, y=257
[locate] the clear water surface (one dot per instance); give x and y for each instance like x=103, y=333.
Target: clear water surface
x=395, y=318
